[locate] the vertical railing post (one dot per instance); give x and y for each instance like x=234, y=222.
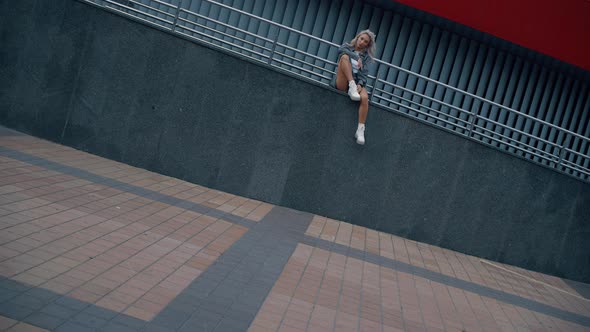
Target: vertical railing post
x=561, y=154
x=472, y=116
x=372, y=99
x=274, y=46
x=563, y=150
x=176, y=16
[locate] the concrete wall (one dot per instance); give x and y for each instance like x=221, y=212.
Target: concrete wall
x=75, y=74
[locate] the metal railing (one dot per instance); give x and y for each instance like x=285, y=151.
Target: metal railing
x=447, y=107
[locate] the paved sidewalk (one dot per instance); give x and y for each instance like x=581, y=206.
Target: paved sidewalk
x=89, y=244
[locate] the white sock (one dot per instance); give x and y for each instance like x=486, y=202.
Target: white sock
x=361, y=126
x=351, y=83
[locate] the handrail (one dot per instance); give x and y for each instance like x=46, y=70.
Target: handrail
x=220, y=23
x=307, y=54
x=436, y=109
x=139, y=12
x=223, y=41
x=479, y=98
x=302, y=61
x=204, y=27
x=395, y=86
x=157, y=1
x=270, y=22
x=395, y=67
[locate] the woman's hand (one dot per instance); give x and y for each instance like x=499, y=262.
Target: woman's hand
x=359, y=88
x=360, y=62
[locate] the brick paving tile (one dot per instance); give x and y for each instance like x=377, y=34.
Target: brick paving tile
x=6, y=323
x=259, y=212
x=316, y=226
x=330, y=229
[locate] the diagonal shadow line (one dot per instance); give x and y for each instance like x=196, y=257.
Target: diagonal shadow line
x=449, y=281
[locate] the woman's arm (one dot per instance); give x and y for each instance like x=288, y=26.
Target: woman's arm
x=346, y=50
x=363, y=73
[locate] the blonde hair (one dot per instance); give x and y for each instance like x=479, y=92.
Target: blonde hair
x=371, y=48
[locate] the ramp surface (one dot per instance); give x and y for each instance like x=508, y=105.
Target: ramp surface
x=91, y=244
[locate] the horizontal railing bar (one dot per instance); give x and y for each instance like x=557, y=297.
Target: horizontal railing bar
x=152, y=8
x=422, y=96
x=428, y=115
x=575, y=167
x=307, y=78
x=135, y=17
x=509, y=140
x=531, y=136
x=302, y=61
x=222, y=47
x=466, y=121
x=565, y=160
x=577, y=153
x=221, y=41
x=298, y=68
x=516, y=147
x=160, y=2
x=307, y=54
x=271, y=22
x=223, y=24
x=137, y=11
x=224, y=34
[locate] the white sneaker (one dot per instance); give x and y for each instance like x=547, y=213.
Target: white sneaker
x=360, y=135
x=353, y=93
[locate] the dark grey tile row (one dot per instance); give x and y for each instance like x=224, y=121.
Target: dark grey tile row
x=229, y=294
x=126, y=187
x=449, y=281
x=55, y=312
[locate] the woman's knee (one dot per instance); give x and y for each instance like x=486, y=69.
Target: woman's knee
x=364, y=96
x=344, y=57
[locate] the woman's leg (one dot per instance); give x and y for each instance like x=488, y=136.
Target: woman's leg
x=344, y=78
x=363, y=111
x=344, y=73
x=364, y=106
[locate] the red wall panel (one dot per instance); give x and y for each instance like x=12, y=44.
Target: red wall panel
x=558, y=28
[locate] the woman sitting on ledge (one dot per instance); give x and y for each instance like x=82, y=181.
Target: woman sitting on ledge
x=351, y=76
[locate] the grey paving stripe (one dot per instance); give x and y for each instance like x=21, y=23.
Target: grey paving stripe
x=125, y=187
x=449, y=281
x=55, y=312
x=228, y=295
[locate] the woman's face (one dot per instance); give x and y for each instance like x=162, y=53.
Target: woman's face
x=363, y=41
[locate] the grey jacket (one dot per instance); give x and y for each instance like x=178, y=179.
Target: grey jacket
x=361, y=75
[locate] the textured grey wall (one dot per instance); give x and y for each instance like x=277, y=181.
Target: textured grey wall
x=75, y=74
